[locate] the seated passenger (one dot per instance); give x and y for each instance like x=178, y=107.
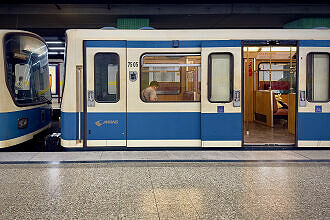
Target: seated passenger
x=279, y=107
x=280, y=103
x=149, y=94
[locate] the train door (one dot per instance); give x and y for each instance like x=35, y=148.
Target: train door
x=105, y=102
x=270, y=74
x=221, y=117
x=314, y=94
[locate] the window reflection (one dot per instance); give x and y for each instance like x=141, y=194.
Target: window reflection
x=27, y=69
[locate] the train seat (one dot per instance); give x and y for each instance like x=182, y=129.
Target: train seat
x=187, y=95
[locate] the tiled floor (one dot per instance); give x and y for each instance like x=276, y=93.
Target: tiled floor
x=164, y=155
x=261, y=134
x=152, y=190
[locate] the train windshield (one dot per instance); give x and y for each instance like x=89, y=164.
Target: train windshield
x=27, y=69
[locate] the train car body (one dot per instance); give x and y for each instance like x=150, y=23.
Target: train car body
x=213, y=88
x=25, y=103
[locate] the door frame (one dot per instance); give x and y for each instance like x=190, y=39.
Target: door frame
x=264, y=43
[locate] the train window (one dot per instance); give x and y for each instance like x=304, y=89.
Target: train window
x=318, y=81
x=281, y=75
x=27, y=69
x=170, y=77
x=220, y=77
x=53, y=79
x=106, y=77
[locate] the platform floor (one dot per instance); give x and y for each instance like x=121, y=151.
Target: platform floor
x=165, y=185
x=153, y=190
x=164, y=156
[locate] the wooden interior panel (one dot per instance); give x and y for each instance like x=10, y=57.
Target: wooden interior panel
x=264, y=106
x=292, y=113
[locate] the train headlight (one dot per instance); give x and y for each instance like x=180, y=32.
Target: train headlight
x=22, y=123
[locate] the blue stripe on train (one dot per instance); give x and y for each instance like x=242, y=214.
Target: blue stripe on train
x=163, y=44
x=163, y=126
x=155, y=126
x=314, y=43
x=106, y=43
x=221, y=127
x=8, y=126
x=106, y=126
x=69, y=125
x=314, y=126
x=188, y=44
x=100, y=126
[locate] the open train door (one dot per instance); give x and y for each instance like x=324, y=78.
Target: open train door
x=314, y=94
x=221, y=113
x=105, y=93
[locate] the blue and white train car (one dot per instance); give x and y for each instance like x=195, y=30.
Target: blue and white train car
x=25, y=101
x=202, y=95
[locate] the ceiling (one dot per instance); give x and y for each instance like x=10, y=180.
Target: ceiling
x=52, y=19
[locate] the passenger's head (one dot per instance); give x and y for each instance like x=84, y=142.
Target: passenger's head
x=20, y=78
x=154, y=84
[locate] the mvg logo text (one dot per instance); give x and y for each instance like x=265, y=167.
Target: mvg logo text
x=101, y=122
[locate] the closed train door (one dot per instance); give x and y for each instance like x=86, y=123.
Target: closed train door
x=221, y=117
x=314, y=94
x=105, y=101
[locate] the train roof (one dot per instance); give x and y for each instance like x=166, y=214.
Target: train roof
x=200, y=34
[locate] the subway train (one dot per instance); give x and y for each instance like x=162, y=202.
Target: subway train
x=196, y=88
x=25, y=106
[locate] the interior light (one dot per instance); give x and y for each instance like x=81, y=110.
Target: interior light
x=54, y=53
x=56, y=48
x=55, y=42
x=251, y=49
x=278, y=49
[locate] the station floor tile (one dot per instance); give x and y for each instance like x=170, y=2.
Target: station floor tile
x=17, y=156
x=314, y=154
x=166, y=155
x=268, y=155
x=221, y=190
x=67, y=156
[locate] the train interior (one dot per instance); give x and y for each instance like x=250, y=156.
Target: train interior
x=269, y=94
x=178, y=76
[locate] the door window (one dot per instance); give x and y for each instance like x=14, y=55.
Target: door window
x=220, y=77
x=318, y=77
x=106, y=77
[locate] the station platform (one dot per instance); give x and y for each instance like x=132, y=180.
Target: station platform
x=166, y=156
x=165, y=185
